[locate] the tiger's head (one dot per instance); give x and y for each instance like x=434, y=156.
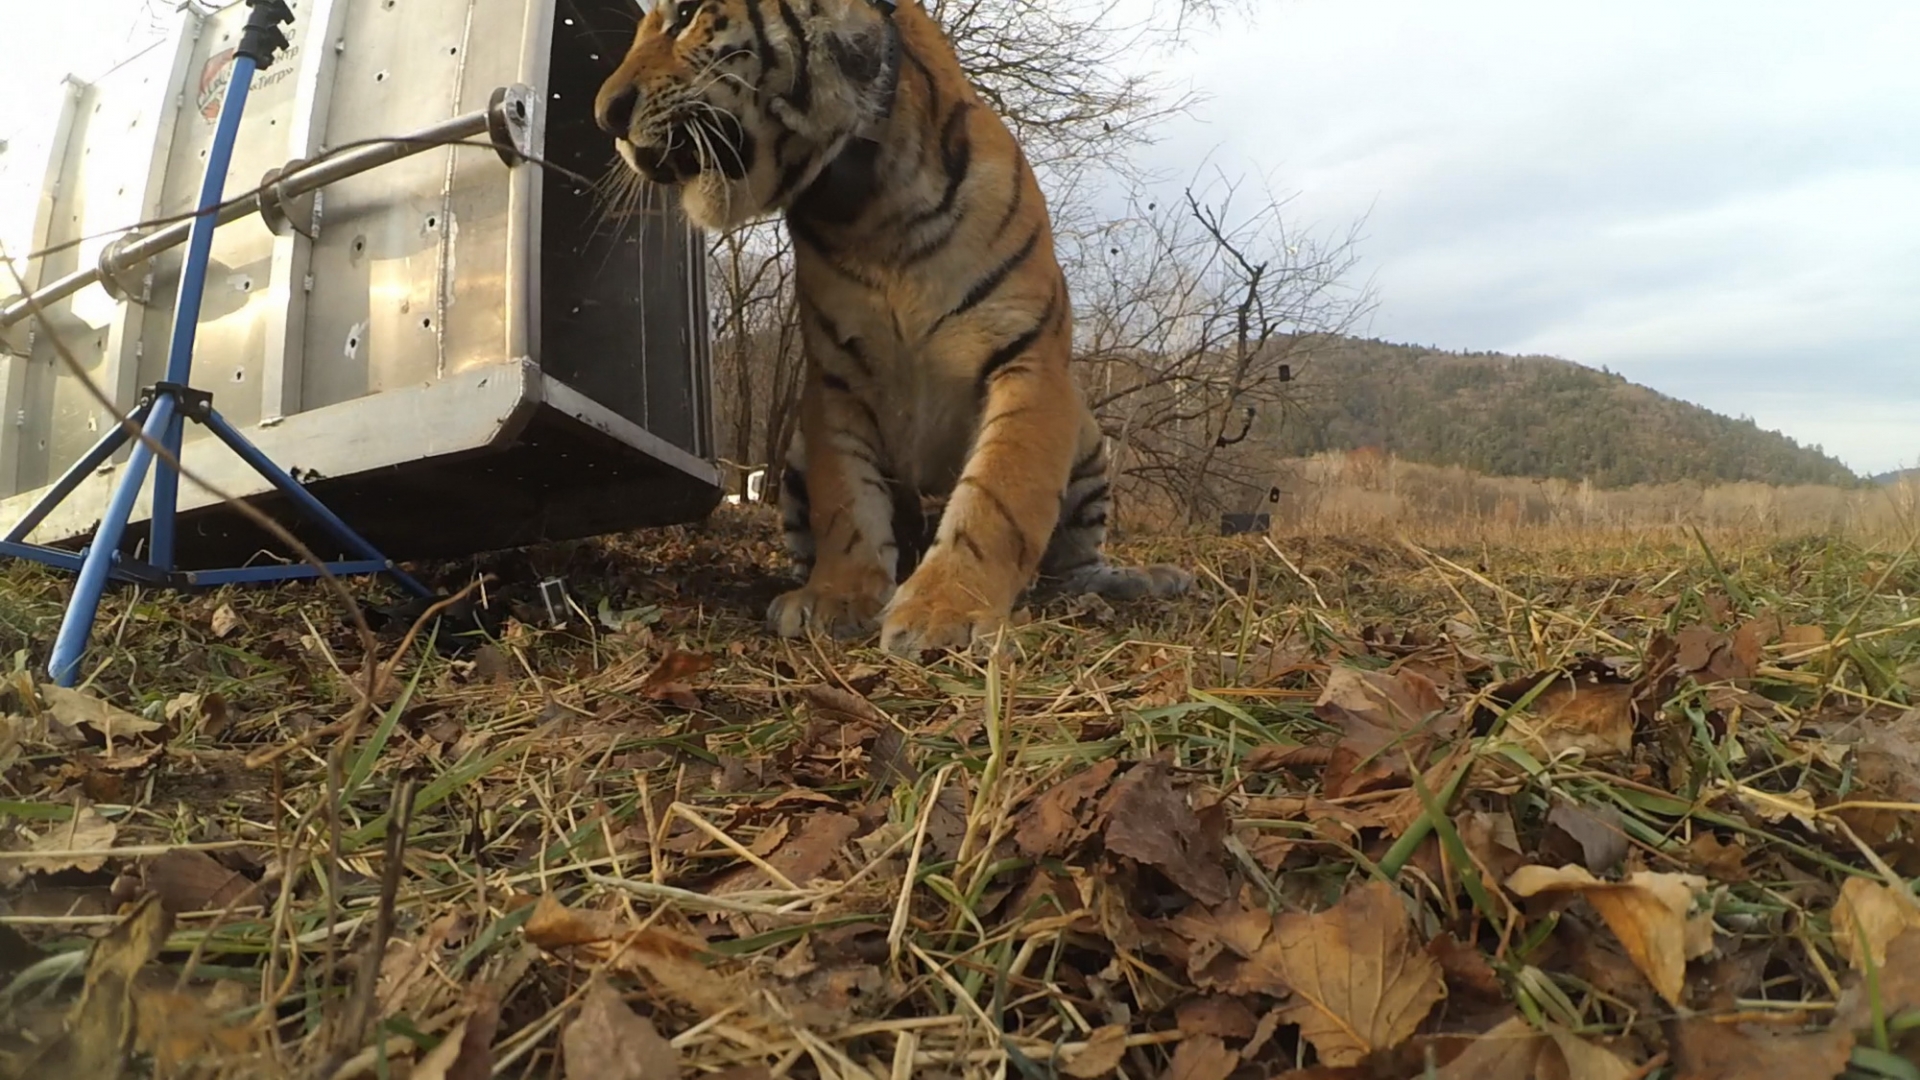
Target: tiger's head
x=742, y=102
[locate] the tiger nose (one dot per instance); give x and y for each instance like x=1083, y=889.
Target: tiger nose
x=614, y=109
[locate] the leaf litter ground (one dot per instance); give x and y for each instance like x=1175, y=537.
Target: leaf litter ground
x=1358, y=808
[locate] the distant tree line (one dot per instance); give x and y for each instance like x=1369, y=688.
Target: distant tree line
x=1530, y=416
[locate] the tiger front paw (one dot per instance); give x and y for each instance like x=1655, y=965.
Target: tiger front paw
x=842, y=610
x=938, y=609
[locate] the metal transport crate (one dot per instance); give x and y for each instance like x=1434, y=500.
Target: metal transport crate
x=452, y=354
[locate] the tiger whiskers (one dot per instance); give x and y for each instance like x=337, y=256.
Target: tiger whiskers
x=713, y=130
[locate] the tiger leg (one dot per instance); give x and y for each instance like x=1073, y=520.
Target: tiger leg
x=1074, y=563
x=997, y=521
x=796, y=508
x=838, y=511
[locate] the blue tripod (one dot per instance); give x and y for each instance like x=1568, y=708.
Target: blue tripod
x=162, y=412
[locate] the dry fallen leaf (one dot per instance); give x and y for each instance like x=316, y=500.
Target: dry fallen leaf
x=1648, y=912
x=62, y=845
x=1169, y=683
x=1387, y=722
x=1772, y=807
x=803, y=856
x=833, y=704
x=1801, y=636
x=1104, y=1048
x=608, y=1041
x=100, y=1028
x=409, y=966
x=189, y=1034
x=1514, y=1050
x=1053, y=823
x=1358, y=983
x=1713, y=657
x=1217, y=1015
x=1723, y=862
x=1465, y=966
x=185, y=703
x=1508, y=1052
x=1887, y=755
x=1585, y=1061
x=189, y=880
x=1871, y=911
x=1272, y=757
x=1595, y=718
x=1599, y=830
x=1151, y=823
x=588, y=937
x=1265, y=665
x=668, y=681
x=1894, y=988
x=1706, y=1050
x=1202, y=1057
x=77, y=709
x=1329, y=818
x=466, y=1052
x=1226, y=949
x=225, y=620
x=814, y=848
x=1492, y=841
x=1407, y=698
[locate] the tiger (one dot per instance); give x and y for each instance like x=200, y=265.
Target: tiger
x=934, y=315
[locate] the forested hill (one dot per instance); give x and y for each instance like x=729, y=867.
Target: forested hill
x=1529, y=416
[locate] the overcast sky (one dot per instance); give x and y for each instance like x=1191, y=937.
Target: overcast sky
x=1720, y=200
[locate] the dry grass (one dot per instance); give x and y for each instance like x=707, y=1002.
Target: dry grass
x=1372, y=493
x=1102, y=854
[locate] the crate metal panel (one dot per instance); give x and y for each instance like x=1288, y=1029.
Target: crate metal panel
x=429, y=341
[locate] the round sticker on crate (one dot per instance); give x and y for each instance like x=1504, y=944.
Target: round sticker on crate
x=214, y=75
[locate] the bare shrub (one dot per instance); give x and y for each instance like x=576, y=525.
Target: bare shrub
x=1191, y=320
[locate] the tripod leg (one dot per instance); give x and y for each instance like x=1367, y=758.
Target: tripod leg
x=77, y=624
x=166, y=497
x=109, y=444
x=304, y=499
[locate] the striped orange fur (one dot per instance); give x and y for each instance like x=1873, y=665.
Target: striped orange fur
x=937, y=324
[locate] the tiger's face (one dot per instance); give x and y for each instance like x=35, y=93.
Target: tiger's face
x=741, y=102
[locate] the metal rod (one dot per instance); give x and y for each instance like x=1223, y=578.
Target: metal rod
x=186, y=301
x=304, y=500
x=40, y=553
x=166, y=499
x=247, y=575
x=193, y=274
x=299, y=179
x=108, y=445
x=77, y=625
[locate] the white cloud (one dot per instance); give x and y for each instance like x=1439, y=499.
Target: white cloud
x=1849, y=428
x=1696, y=195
